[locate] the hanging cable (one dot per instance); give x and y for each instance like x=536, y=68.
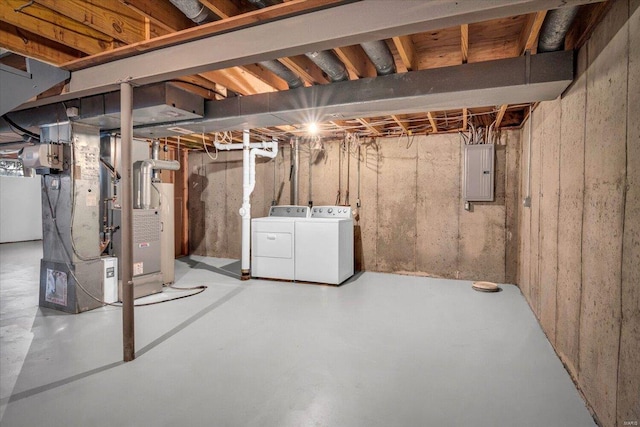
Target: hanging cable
x=204, y=143
x=24, y=131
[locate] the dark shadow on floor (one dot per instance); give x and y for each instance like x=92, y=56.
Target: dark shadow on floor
x=230, y=270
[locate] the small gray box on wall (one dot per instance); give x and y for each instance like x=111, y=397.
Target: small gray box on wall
x=477, y=182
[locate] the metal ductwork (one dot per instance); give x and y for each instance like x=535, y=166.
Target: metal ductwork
x=326, y=60
x=195, y=11
x=379, y=53
x=330, y=64
x=277, y=68
x=516, y=80
x=261, y=4
x=555, y=27
x=199, y=14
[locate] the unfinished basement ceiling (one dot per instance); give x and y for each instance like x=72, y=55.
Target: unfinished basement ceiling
x=86, y=36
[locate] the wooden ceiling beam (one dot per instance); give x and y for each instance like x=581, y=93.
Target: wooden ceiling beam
x=500, y=116
x=222, y=8
x=356, y=61
x=432, y=121
x=34, y=46
x=529, y=35
x=397, y=118
x=465, y=119
x=588, y=18
x=375, y=129
x=464, y=42
x=162, y=13
x=248, y=80
x=113, y=18
x=239, y=81
x=405, y=47
x=54, y=26
x=306, y=69
x=257, y=71
x=202, y=86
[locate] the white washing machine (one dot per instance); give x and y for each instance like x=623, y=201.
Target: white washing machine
x=273, y=242
x=324, y=245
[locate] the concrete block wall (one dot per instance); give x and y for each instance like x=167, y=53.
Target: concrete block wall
x=580, y=239
x=411, y=219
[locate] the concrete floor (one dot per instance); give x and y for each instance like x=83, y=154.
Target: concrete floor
x=381, y=350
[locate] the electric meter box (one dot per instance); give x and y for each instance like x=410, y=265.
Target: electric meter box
x=478, y=179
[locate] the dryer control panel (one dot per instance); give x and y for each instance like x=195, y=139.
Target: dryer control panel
x=331, y=212
x=289, y=211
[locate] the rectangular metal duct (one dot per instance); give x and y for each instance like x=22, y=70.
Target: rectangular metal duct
x=157, y=103
x=507, y=81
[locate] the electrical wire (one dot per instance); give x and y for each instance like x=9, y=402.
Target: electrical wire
x=24, y=131
x=204, y=144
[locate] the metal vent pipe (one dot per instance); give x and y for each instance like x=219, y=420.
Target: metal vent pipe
x=195, y=11
x=199, y=14
x=277, y=68
x=379, y=53
x=261, y=4
x=330, y=64
x=555, y=27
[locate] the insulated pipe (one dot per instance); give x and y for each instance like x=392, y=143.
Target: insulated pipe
x=199, y=14
x=555, y=27
x=261, y=4
x=379, y=53
x=330, y=64
x=326, y=60
x=126, y=228
x=194, y=10
x=278, y=68
x=143, y=193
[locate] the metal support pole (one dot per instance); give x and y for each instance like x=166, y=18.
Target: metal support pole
x=126, y=263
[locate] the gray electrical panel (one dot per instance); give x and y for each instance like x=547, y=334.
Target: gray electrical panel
x=477, y=183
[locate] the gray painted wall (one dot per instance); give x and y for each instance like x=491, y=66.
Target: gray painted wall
x=580, y=246
x=20, y=209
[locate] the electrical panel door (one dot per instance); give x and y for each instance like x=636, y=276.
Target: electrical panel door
x=478, y=173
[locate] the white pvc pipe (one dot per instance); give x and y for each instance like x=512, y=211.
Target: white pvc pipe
x=249, y=153
x=238, y=146
x=245, y=210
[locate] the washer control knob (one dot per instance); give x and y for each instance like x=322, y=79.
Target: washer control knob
x=320, y=211
x=329, y=210
x=288, y=209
